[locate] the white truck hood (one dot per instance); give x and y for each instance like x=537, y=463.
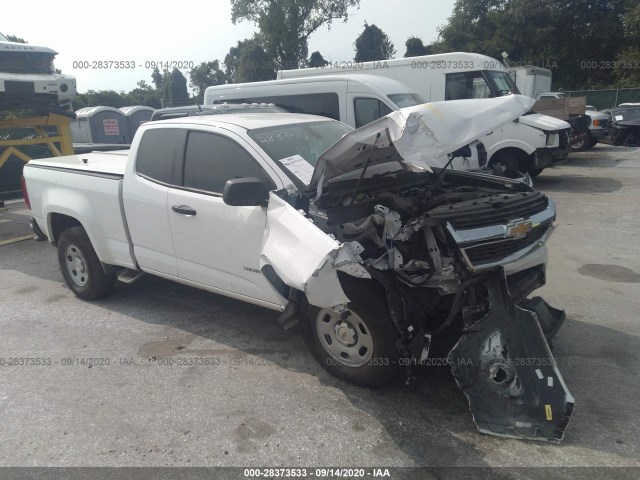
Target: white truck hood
x=544, y=122
x=423, y=135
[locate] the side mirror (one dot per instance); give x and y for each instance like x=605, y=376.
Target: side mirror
x=245, y=192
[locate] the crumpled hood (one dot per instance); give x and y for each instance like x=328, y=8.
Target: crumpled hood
x=544, y=122
x=423, y=135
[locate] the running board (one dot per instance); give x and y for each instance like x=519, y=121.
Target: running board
x=130, y=276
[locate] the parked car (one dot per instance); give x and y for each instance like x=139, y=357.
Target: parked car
x=598, y=129
x=196, y=110
x=28, y=78
x=623, y=127
x=362, y=236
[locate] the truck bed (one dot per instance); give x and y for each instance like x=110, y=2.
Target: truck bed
x=109, y=163
x=87, y=188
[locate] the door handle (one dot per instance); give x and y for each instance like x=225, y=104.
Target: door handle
x=184, y=210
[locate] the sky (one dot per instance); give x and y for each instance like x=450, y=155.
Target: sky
x=140, y=32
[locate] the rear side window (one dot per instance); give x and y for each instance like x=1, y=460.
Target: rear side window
x=323, y=104
x=369, y=109
x=212, y=159
x=160, y=154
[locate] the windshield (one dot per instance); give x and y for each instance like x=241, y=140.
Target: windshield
x=3, y=38
x=501, y=83
x=307, y=140
x=406, y=99
x=624, y=115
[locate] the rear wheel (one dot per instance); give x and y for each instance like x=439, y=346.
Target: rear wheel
x=535, y=172
x=80, y=266
x=357, y=343
x=593, y=143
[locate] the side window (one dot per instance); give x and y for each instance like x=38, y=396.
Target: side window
x=369, y=109
x=324, y=104
x=211, y=160
x=466, y=85
x=160, y=155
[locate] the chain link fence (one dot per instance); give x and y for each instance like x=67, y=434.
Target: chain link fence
x=11, y=169
x=608, y=98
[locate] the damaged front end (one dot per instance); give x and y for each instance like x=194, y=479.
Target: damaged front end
x=504, y=366
x=456, y=253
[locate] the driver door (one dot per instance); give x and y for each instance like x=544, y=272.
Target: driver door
x=218, y=245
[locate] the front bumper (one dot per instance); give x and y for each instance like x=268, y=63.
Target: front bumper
x=598, y=133
x=504, y=366
x=29, y=85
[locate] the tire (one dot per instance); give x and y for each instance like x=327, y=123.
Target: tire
x=593, y=143
x=582, y=143
x=534, y=172
x=80, y=266
x=367, y=336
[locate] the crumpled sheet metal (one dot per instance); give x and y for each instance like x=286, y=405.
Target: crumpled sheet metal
x=423, y=135
x=504, y=366
x=306, y=258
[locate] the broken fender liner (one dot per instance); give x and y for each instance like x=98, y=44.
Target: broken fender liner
x=504, y=366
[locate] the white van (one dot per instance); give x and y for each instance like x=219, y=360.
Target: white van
x=353, y=99
x=529, y=144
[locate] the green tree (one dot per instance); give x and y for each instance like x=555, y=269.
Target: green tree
x=415, y=47
x=144, y=94
x=174, y=90
x=249, y=62
x=13, y=38
x=373, y=44
x=316, y=60
x=627, y=67
x=286, y=25
x=563, y=35
x=205, y=75
x=158, y=78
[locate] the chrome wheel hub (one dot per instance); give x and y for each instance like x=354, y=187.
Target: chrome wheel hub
x=76, y=265
x=344, y=336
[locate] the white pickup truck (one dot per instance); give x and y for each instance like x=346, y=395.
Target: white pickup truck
x=361, y=236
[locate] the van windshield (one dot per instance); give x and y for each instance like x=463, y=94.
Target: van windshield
x=478, y=84
x=406, y=99
x=308, y=140
x=501, y=83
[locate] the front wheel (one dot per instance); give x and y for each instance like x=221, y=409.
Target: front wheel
x=356, y=343
x=581, y=143
x=80, y=266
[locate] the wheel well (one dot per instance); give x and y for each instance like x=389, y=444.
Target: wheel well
x=511, y=154
x=59, y=223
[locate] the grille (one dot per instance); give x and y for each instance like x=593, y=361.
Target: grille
x=496, y=251
x=491, y=211
x=26, y=62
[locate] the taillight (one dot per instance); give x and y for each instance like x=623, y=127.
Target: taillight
x=25, y=194
x=596, y=123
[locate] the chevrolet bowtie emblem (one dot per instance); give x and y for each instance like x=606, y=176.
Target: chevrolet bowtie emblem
x=519, y=229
